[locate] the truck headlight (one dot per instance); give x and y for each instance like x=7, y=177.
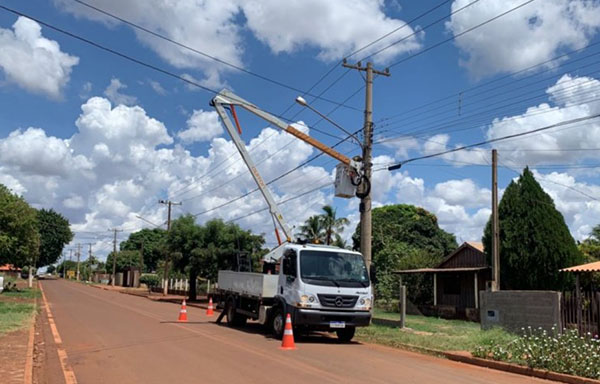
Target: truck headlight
x=306, y=301
x=365, y=302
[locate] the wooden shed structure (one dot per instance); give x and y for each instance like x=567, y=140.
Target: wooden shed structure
x=457, y=281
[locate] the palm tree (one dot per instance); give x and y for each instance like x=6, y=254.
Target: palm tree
x=332, y=224
x=312, y=230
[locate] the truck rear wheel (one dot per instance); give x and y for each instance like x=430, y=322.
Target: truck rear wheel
x=277, y=323
x=345, y=334
x=234, y=319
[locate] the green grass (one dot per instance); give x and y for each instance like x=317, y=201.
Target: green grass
x=14, y=316
x=432, y=333
x=17, y=309
x=24, y=293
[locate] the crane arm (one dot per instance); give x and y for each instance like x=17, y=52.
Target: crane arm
x=237, y=140
x=229, y=98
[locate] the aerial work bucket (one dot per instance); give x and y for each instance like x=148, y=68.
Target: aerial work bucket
x=343, y=182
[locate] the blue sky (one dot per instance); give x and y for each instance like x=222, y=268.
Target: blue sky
x=101, y=139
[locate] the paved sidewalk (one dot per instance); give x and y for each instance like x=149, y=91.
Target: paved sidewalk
x=13, y=356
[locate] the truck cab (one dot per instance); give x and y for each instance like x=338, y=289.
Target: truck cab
x=322, y=288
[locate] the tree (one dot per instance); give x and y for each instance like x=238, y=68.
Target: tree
x=405, y=237
x=125, y=260
x=152, y=241
x=54, y=235
x=534, y=240
x=332, y=225
x=206, y=249
x=312, y=230
x=19, y=236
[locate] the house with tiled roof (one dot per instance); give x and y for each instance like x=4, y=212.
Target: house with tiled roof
x=457, y=281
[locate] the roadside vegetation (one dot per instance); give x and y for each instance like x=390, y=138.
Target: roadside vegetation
x=17, y=306
x=432, y=333
x=565, y=353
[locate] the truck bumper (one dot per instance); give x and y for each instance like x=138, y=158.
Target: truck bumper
x=318, y=319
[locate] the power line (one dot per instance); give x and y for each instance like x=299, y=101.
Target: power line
x=461, y=34
x=560, y=184
x=507, y=76
x=282, y=202
x=443, y=127
x=566, y=122
x=337, y=64
x=452, y=104
x=420, y=30
x=211, y=57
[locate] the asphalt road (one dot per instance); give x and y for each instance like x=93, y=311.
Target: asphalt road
x=115, y=338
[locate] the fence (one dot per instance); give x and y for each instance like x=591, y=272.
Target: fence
x=182, y=287
x=581, y=312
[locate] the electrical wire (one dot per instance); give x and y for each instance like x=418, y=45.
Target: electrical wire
x=562, y=123
x=204, y=54
x=460, y=34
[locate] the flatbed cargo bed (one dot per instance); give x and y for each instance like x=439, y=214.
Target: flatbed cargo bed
x=257, y=285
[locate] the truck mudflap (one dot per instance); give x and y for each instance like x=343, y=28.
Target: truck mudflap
x=328, y=320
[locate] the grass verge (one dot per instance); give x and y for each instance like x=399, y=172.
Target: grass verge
x=17, y=309
x=432, y=333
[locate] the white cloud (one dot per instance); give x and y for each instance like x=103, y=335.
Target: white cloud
x=116, y=166
x=573, y=98
x=33, y=62
x=334, y=27
x=113, y=94
x=439, y=143
x=201, y=126
x=462, y=192
x=530, y=35
x=155, y=85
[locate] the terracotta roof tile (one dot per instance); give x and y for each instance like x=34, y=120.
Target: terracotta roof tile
x=589, y=267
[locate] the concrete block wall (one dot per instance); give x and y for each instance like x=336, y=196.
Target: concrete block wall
x=513, y=310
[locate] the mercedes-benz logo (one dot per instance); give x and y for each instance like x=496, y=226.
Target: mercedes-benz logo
x=339, y=301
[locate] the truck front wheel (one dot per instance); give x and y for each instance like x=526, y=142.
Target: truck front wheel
x=346, y=334
x=233, y=318
x=277, y=323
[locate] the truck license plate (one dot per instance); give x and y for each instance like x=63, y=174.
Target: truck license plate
x=337, y=324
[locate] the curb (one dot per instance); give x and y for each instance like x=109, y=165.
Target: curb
x=519, y=369
x=28, y=374
x=467, y=358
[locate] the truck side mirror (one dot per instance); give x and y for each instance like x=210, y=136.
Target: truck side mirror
x=373, y=274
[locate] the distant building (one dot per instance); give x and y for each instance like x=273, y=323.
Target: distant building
x=457, y=281
x=10, y=270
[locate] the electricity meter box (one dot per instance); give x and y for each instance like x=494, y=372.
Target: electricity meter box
x=343, y=182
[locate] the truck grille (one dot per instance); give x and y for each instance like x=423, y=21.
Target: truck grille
x=338, y=301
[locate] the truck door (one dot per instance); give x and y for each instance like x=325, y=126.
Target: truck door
x=288, y=278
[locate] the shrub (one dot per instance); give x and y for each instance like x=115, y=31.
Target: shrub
x=150, y=281
x=565, y=353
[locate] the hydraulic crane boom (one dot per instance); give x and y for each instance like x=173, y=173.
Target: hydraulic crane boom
x=226, y=99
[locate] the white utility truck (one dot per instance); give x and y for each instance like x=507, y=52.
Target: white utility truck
x=322, y=287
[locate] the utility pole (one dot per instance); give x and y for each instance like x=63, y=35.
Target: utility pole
x=365, y=195
x=114, y=271
x=168, y=203
x=70, y=254
x=495, y=229
x=78, y=258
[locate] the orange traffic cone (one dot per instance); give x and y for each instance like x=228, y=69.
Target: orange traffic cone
x=209, y=310
x=287, y=342
x=182, y=313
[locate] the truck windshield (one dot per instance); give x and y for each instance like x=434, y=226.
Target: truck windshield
x=341, y=269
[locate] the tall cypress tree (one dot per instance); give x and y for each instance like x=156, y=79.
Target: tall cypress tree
x=535, y=242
